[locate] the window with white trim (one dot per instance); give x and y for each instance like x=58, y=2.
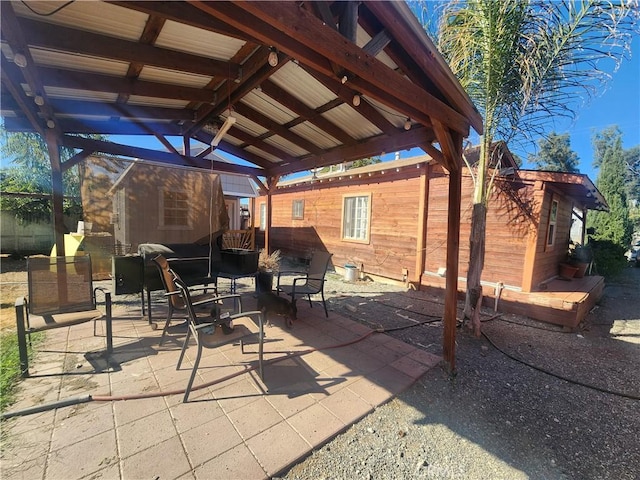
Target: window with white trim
x=553, y=217
x=297, y=209
x=263, y=216
x=356, y=213
x=174, y=209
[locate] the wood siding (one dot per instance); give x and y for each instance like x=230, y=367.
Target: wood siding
x=517, y=220
x=509, y=224
x=393, y=226
x=547, y=258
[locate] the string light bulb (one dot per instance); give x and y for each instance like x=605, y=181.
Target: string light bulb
x=20, y=60
x=51, y=124
x=38, y=100
x=407, y=124
x=356, y=100
x=273, y=57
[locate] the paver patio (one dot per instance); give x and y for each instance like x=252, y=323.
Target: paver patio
x=321, y=376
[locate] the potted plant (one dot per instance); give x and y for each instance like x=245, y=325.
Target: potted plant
x=579, y=256
x=268, y=265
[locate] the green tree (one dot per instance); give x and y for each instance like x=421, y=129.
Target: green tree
x=30, y=173
x=365, y=161
x=614, y=225
x=555, y=154
x=525, y=64
x=632, y=162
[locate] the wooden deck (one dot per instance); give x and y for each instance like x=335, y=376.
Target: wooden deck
x=563, y=302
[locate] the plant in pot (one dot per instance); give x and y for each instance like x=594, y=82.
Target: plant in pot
x=268, y=265
x=579, y=256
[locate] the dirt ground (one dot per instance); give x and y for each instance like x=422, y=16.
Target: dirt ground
x=13, y=284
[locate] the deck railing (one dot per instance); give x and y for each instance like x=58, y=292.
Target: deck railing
x=239, y=239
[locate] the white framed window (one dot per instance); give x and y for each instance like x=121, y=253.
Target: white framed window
x=297, y=209
x=356, y=217
x=174, y=209
x=553, y=218
x=263, y=216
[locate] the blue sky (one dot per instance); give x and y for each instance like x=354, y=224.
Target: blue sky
x=619, y=104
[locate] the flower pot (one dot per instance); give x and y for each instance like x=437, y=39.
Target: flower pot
x=264, y=282
x=567, y=272
x=582, y=269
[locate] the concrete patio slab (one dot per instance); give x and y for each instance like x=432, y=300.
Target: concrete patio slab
x=321, y=376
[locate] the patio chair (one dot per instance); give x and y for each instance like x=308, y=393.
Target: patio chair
x=205, y=328
x=311, y=283
x=60, y=294
x=200, y=294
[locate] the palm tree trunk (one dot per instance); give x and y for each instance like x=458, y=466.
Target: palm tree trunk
x=473, y=298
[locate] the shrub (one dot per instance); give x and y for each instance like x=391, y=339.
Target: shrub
x=609, y=257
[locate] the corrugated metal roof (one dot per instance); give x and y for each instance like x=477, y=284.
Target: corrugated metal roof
x=301, y=85
x=185, y=38
x=352, y=122
x=84, y=63
x=305, y=109
x=98, y=17
x=174, y=77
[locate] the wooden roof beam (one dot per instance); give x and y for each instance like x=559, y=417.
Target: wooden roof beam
x=182, y=12
x=248, y=139
x=398, y=26
x=49, y=36
x=297, y=32
x=276, y=128
x=374, y=146
x=167, y=158
x=106, y=127
x=22, y=101
x=257, y=70
x=119, y=110
x=149, y=36
x=308, y=114
x=13, y=34
x=94, y=82
x=346, y=95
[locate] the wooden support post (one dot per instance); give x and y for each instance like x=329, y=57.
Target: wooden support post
x=453, y=249
x=57, y=190
x=421, y=237
x=271, y=185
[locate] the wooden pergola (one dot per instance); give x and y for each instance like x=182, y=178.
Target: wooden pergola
x=282, y=87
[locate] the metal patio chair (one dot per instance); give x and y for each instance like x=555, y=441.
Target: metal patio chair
x=60, y=294
x=308, y=283
x=200, y=294
x=209, y=329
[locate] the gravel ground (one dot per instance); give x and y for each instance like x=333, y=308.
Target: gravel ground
x=498, y=418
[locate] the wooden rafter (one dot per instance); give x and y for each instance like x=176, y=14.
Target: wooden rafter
x=314, y=45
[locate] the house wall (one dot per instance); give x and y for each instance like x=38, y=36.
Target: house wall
x=517, y=220
x=394, y=222
x=547, y=258
x=508, y=229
